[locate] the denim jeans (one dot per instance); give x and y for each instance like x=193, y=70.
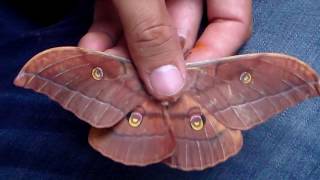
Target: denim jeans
x=41, y=140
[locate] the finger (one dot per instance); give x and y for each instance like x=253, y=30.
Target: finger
x=153, y=45
x=120, y=49
x=105, y=30
x=230, y=26
x=186, y=15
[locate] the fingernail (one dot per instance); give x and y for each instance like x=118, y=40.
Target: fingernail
x=166, y=80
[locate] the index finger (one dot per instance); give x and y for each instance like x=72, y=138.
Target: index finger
x=154, y=45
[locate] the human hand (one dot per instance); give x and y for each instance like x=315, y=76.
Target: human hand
x=229, y=26
x=157, y=34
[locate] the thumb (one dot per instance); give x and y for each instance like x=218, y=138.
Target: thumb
x=154, y=45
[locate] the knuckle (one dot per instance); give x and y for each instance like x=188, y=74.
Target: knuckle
x=154, y=41
x=153, y=34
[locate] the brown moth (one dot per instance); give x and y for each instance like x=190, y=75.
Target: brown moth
x=202, y=128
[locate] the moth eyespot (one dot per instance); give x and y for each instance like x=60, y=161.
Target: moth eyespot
x=135, y=119
x=197, y=122
x=246, y=78
x=97, y=73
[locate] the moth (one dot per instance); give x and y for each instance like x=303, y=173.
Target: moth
x=200, y=129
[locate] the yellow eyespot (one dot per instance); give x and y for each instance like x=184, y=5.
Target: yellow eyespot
x=135, y=119
x=97, y=73
x=197, y=122
x=245, y=78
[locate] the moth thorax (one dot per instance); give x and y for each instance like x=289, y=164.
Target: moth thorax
x=165, y=103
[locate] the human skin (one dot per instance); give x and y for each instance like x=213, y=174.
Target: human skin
x=157, y=34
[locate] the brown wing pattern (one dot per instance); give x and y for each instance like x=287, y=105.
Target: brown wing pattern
x=197, y=150
x=227, y=95
x=277, y=82
x=150, y=142
x=65, y=75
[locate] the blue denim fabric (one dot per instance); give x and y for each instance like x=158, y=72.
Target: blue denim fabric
x=41, y=140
